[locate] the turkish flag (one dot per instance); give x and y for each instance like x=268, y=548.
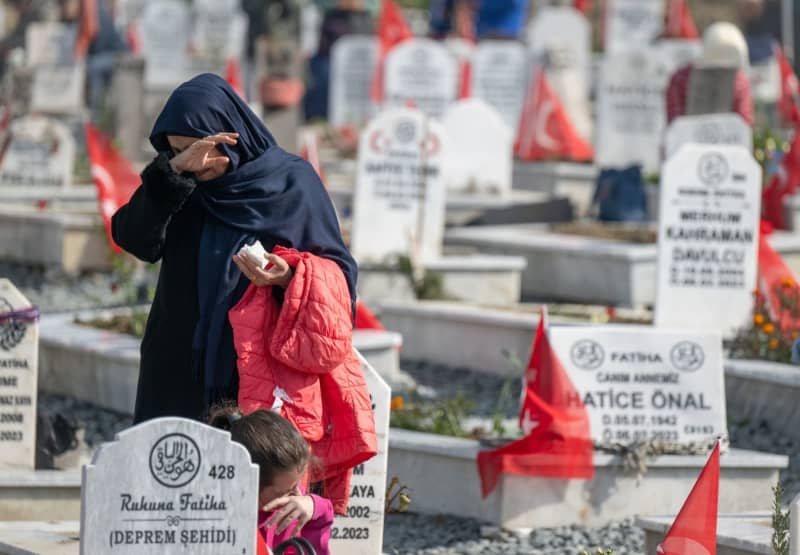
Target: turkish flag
x=790, y=89
x=694, y=531
x=392, y=30
x=558, y=443
x=679, y=22
x=365, y=319
x=782, y=184
x=583, y=6
x=233, y=75
x=88, y=25
x=115, y=179
x=774, y=277
x=545, y=130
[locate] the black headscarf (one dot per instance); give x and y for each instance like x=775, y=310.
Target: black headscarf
x=266, y=194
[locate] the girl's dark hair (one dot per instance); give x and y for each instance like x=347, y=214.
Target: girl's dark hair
x=273, y=442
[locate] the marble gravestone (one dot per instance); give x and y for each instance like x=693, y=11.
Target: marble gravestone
x=641, y=384
x=677, y=53
x=19, y=351
x=170, y=486
x=399, y=202
x=220, y=30
x=499, y=76
x=360, y=532
x=422, y=73
x=166, y=27
x=632, y=24
x=713, y=129
x=559, y=38
x=49, y=44
x=40, y=153
x=58, y=79
x=708, y=238
x=353, y=61
x=631, y=113
x=481, y=149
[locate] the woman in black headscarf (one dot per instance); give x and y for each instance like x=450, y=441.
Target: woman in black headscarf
x=219, y=182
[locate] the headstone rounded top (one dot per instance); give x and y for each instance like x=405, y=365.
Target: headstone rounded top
x=711, y=129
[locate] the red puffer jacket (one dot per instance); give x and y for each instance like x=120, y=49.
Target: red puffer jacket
x=297, y=358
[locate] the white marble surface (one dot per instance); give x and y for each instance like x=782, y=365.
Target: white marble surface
x=632, y=24
x=41, y=153
x=711, y=129
x=353, y=60
x=748, y=532
x=499, y=76
x=39, y=538
x=176, y=479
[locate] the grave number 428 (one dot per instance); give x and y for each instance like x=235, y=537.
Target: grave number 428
x=222, y=472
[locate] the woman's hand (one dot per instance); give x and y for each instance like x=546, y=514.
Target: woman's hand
x=277, y=273
x=288, y=509
x=202, y=155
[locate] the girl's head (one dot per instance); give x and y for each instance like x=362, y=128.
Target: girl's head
x=274, y=445
x=204, y=106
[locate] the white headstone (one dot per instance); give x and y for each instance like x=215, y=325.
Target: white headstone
x=639, y=383
x=41, y=153
x=399, y=202
x=677, y=53
x=480, y=150
x=19, y=351
x=499, y=76
x=49, y=43
x=713, y=129
x=560, y=38
x=632, y=24
x=165, y=28
x=708, y=238
x=631, y=113
x=170, y=486
x=220, y=31
x=353, y=61
x=58, y=89
x=361, y=531
x=423, y=73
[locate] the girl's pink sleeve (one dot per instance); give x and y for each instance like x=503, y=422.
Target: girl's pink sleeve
x=318, y=529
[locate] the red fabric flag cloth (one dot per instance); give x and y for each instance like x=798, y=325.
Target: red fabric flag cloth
x=790, y=89
x=261, y=546
x=365, y=319
x=558, y=443
x=583, y=6
x=679, y=22
x=774, y=277
x=781, y=185
x=233, y=75
x=465, y=79
x=545, y=130
x=694, y=531
x=115, y=179
x=392, y=30
x=88, y=25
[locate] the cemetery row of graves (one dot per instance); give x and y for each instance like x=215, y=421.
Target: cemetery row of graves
x=663, y=336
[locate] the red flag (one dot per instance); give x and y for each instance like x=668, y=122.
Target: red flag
x=790, y=89
x=782, y=184
x=558, y=442
x=392, y=30
x=261, y=545
x=583, y=6
x=87, y=27
x=545, y=130
x=365, y=319
x=233, y=76
x=679, y=23
x=774, y=276
x=694, y=531
x=113, y=176
x=465, y=77
x=134, y=38
x=309, y=150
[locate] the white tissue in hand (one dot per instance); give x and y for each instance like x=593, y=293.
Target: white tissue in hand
x=255, y=253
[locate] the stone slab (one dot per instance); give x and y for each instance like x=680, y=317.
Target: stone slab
x=737, y=534
x=72, y=242
x=569, y=179
x=102, y=367
x=484, y=279
x=441, y=474
x=39, y=538
x=27, y=495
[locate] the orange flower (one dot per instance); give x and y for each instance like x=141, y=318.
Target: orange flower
x=768, y=328
x=773, y=343
x=398, y=403
x=788, y=282
x=758, y=319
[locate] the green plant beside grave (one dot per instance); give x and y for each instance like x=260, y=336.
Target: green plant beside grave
x=767, y=338
x=441, y=416
x=780, y=523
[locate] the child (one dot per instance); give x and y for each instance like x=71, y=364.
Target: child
x=282, y=456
